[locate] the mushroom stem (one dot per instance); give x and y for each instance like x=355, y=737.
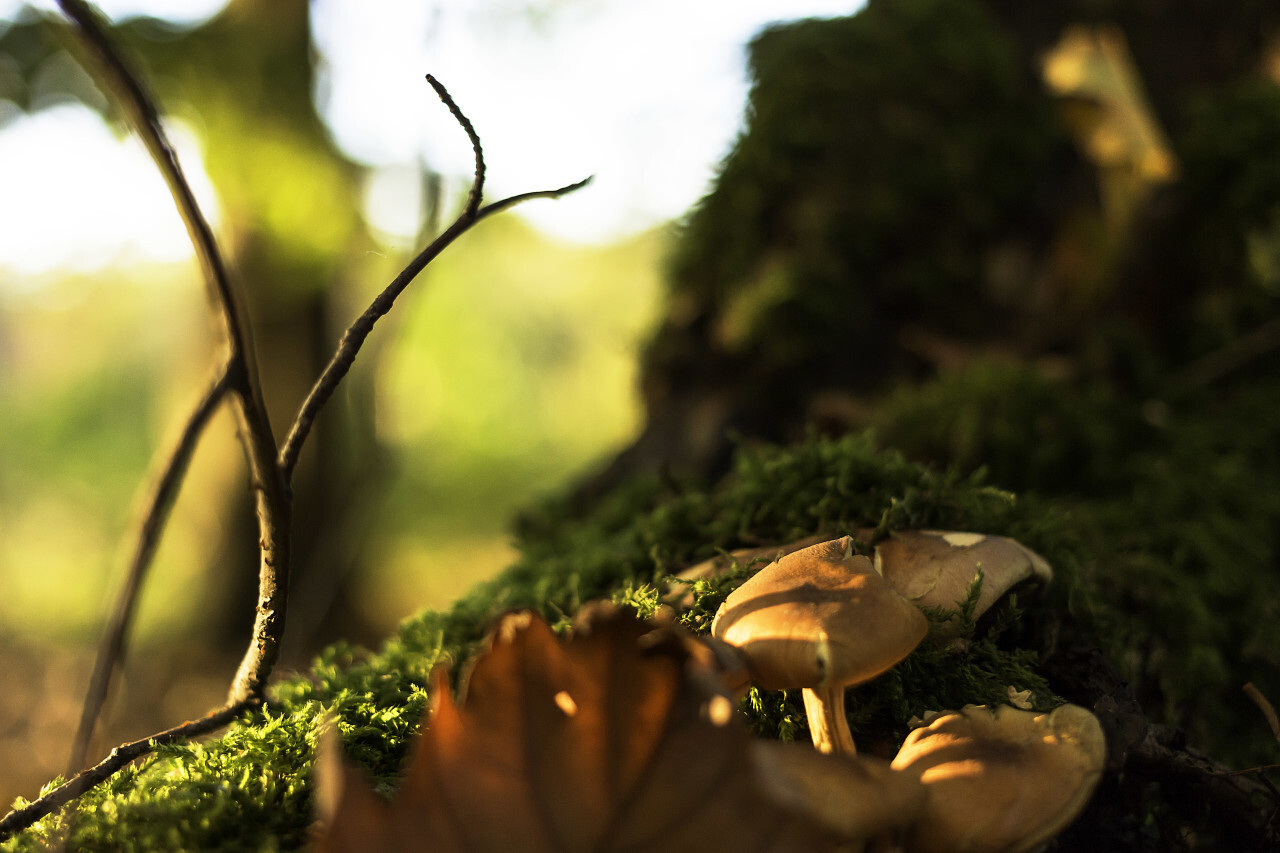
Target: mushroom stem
x=827, y=721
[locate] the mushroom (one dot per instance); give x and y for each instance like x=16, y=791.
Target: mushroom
x=1001, y=781
x=856, y=797
x=820, y=619
x=931, y=568
x=682, y=597
x=935, y=568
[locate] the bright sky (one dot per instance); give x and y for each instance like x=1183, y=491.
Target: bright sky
x=645, y=96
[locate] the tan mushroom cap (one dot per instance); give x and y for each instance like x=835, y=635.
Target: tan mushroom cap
x=1003, y=781
x=819, y=617
x=853, y=796
x=681, y=595
x=934, y=568
x=723, y=562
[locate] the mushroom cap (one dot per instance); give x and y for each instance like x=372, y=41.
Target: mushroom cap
x=722, y=562
x=819, y=617
x=1003, y=781
x=934, y=568
x=854, y=796
x=682, y=596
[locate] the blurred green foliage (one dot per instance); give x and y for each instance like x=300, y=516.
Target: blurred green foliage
x=511, y=371
x=505, y=370
x=80, y=415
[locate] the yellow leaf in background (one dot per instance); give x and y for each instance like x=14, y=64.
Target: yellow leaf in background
x=609, y=740
x=1110, y=116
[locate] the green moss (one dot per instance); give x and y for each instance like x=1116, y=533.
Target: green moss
x=1232, y=181
x=883, y=154
x=1181, y=544
x=1174, y=496
x=250, y=787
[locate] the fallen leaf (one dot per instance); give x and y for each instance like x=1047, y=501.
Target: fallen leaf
x=610, y=740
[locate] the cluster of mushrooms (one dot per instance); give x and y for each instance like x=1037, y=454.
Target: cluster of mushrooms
x=822, y=618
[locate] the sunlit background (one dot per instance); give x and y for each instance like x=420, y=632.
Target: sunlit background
x=509, y=370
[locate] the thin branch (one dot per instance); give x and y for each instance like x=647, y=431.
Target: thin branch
x=1267, y=709
x=21, y=818
x=269, y=476
x=1263, y=768
x=158, y=504
x=139, y=107
x=1239, y=353
x=477, y=183
x=274, y=511
x=1191, y=776
x=512, y=201
x=273, y=502
x=354, y=337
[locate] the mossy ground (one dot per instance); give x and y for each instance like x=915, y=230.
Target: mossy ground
x=251, y=787
x=1174, y=498
x=1165, y=551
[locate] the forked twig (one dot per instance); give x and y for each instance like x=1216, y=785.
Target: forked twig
x=273, y=504
x=354, y=337
x=239, y=380
x=477, y=183
x=158, y=504
x=270, y=472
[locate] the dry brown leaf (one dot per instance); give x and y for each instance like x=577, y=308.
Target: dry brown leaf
x=609, y=740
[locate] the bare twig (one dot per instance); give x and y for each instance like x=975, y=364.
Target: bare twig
x=239, y=379
x=151, y=525
x=1267, y=709
x=354, y=337
x=21, y=818
x=273, y=503
x=1239, y=353
x=139, y=108
x=269, y=473
x=477, y=183
x=1262, y=768
x=512, y=201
